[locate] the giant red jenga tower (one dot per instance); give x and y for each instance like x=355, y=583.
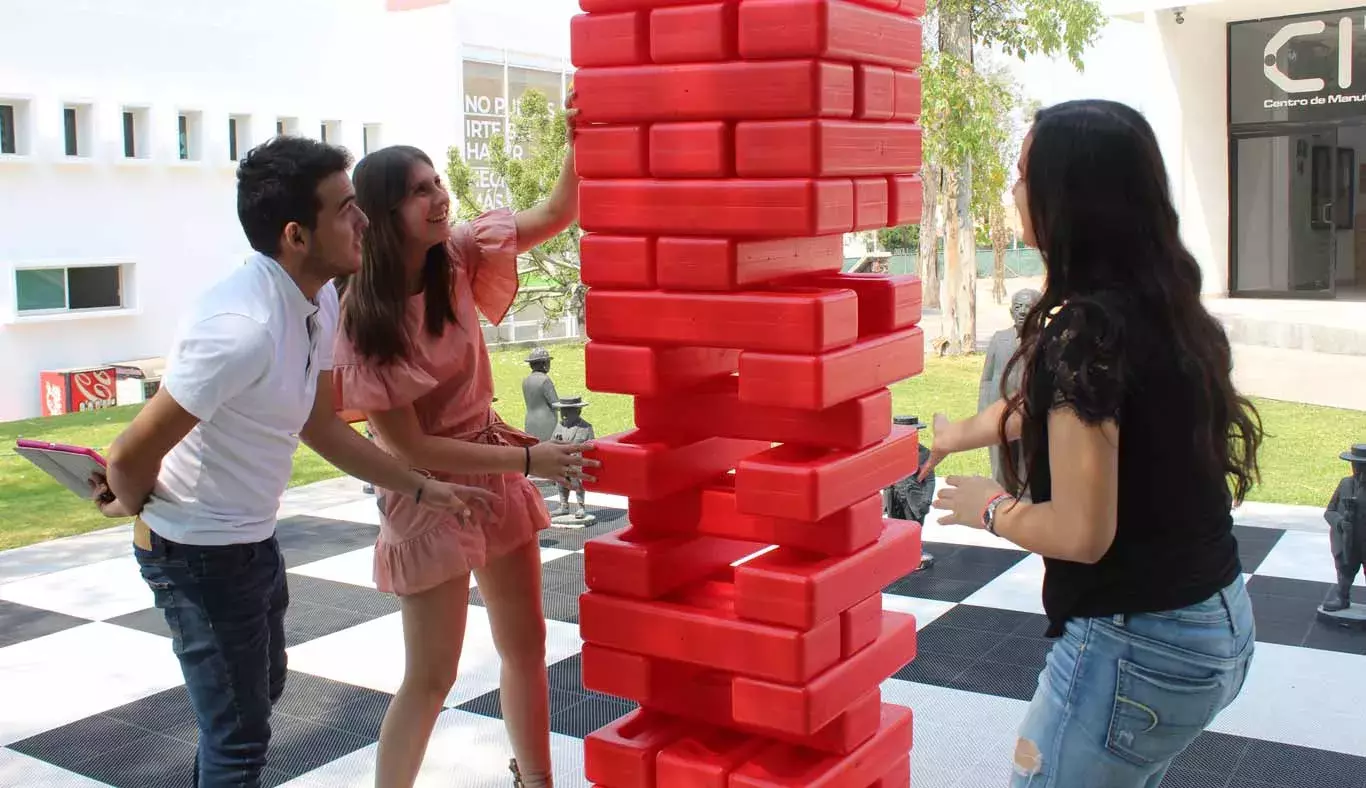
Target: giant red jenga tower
x=725, y=148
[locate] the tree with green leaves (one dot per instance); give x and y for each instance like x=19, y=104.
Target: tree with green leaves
x=550, y=276
x=958, y=117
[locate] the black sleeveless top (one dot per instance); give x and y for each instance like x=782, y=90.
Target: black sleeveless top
x=1174, y=543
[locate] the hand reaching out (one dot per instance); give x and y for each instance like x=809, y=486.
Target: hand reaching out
x=562, y=462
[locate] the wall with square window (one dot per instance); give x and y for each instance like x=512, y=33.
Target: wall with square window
x=15, y=128
x=78, y=130
x=372, y=138
x=190, y=135
x=239, y=136
x=60, y=289
x=135, y=133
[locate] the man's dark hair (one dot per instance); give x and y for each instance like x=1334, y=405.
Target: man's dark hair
x=277, y=183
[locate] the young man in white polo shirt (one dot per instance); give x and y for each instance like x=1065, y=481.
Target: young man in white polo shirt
x=205, y=463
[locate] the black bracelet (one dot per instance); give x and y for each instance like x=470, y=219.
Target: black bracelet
x=527, y=472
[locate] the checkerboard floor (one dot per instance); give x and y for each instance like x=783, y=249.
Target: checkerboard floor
x=90, y=694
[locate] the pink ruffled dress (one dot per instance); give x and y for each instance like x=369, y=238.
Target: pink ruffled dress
x=448, y=382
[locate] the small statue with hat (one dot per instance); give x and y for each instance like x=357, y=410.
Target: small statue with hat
x=540, y=396
x=572, y=429
x=999, y=352
x=1346, y=516
x=910, y=498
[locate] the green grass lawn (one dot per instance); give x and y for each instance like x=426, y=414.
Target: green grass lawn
x=1300, y=462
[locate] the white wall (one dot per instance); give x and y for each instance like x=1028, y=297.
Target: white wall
x=175, y=222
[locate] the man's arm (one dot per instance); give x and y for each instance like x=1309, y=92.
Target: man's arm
x=349, y=451
x=135, y=456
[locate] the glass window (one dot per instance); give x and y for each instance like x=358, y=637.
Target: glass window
x=9, y=142
x=59, y=289
x=40, y=289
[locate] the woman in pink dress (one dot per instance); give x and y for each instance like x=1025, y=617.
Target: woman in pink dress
x=411, y=356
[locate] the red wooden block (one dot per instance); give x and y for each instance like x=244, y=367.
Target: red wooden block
x=617, y=262
x=611, y=152
x=622, y=754
x=715, y=409
x=874, y=92
x=650, y=371
x=828, y=29
x=824, y=148
x=899, y=776
x=690, y=150
x=802, y=483
x=693, y=33
x=712, y=637
x=818, y=382
x=638, y=467
x=784, y=766
x=705, y=759
x=703, y=695
x=723, y=264
x=635, y=564
x=871, y=210
x=771, y=208
x=715, y=91
x=810, y=707
x=606, y=6
x=609, y=39
x=789, y=322
x=906, y=195
x=860, y=625
x=907, y=102
x=912, y=7
x=789, y=588
x=711, y=511
x=886, y=303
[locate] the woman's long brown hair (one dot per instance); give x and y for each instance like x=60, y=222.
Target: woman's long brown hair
x=374, y=300
x=1103, y=219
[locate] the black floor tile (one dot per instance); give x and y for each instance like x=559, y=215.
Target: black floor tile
x=1191, y=778
x=1267, y=585
x=1332, y=637
x=21, y=622
x=966, y=644
x=1292, y=766
x=72, y=745
x=926, y=585
x=567, y=675
x=1254, y=545
x=589, y=715
x=153, y=761
x=987, y=619
x=937, y=670
x=304, y=539
x=362, y=716
x=300, y=746
x=151, y=621
x=159, y=713
x=999, y=679
x=561, y=607
x=305, y=621
x=1026, y=652
x=341, y=596
x=1213, y=752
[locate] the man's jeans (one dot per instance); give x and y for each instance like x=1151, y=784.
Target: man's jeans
x=225, y=607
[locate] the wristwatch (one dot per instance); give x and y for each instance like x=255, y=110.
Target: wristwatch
x=989, y=513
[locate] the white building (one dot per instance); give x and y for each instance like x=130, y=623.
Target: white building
x=1260, y=106
x=118, y=147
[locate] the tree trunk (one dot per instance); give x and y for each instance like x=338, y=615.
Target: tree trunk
x=929, y=236
x=998, y=252
x=960, y=328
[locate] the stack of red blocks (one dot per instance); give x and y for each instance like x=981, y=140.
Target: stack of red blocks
x=725, y=147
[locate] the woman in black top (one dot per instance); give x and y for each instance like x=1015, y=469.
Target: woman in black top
x=1136, y=447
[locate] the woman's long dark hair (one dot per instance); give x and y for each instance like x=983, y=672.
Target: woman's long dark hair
x=375, y=298
x=1101, y=210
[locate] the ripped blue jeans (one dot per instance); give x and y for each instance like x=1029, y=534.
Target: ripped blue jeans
x=1120, y=697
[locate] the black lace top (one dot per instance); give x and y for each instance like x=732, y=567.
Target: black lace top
x=1174, y=543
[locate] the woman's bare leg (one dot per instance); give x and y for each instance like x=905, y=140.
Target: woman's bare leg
x=433, y=632
x=511, y=587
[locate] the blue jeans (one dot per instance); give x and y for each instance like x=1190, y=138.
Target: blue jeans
x=225, y=607
x=1120, y=697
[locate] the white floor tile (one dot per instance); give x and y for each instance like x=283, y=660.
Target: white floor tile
x=54, y=556
x=21, y=770
x=1018, y=588
x=959, y=534
x=50, y=681
x=371, y=655
x=96, y=591
x=590, y=499
x=1303, y=556
x=363, y=511
x=924, y=610
x=956, y=732
x=356, y=568
x=1301, y=696
x=466, y=751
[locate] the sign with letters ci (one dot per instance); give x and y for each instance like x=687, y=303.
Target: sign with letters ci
x=1298, y=69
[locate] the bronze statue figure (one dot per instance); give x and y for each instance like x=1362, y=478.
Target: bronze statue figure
x=572, y=429
x=999, y=351
x=539, y=392
x=1346, y=516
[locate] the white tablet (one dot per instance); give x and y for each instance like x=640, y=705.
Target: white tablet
x=71, y=465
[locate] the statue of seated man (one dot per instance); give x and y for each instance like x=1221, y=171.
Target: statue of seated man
x=572, y=429
x=1346, y=516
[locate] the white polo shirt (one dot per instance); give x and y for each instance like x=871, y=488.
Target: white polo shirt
x=246, y=364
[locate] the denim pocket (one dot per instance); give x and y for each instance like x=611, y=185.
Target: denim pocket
x=1156, y=715
x=217, y=563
